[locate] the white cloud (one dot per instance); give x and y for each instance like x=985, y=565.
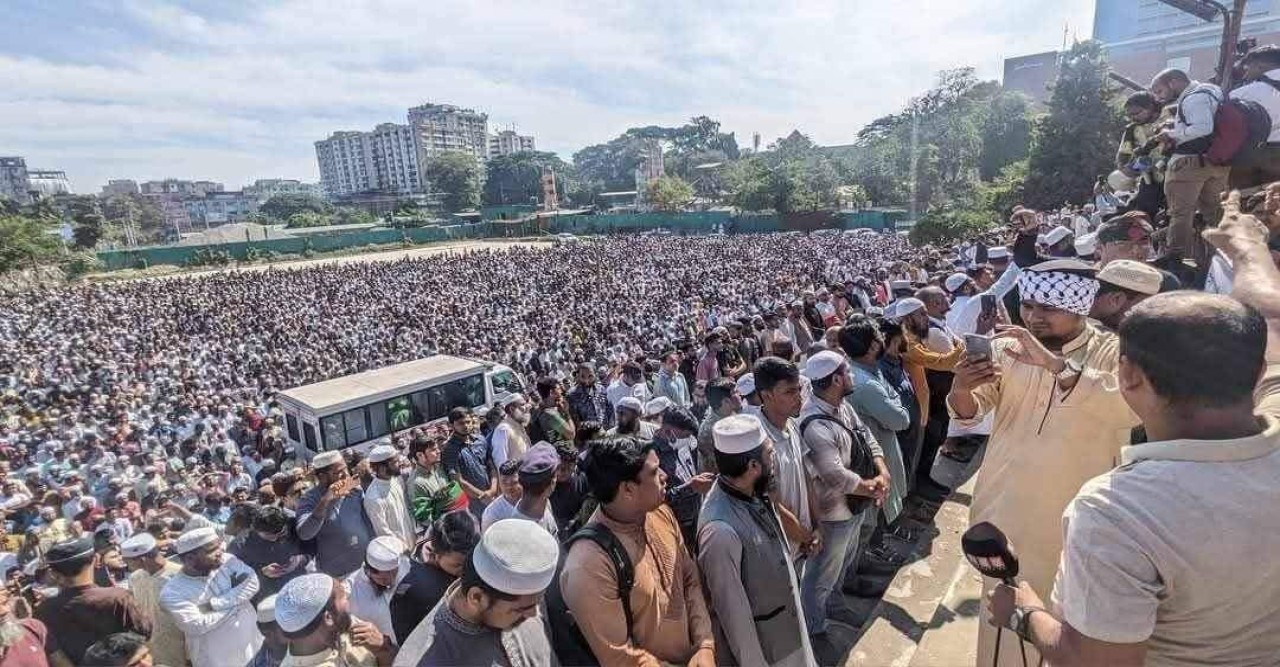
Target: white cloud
x=238, y=99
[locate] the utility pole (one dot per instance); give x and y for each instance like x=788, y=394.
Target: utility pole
x=915, y=146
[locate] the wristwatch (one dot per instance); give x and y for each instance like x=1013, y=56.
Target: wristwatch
x=1020, y=621
x=1070, y=369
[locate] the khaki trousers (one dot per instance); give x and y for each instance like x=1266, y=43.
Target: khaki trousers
x=1191, y=184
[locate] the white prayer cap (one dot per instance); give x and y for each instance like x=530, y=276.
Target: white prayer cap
x=140, y=544
x=267, y=610
x=907, y=306
x=1056, y=234
x=382, y=453
x=954, y=281
x=737, y=434
x=1040, y=239
x=326, y=459
x=900, y=285
x=657, y=406
x=747, y=384
x=998, y=252
x=517, y=557
x=302, y=599
x=194, y=539
x=1087, y=245
x=822, y=364
x=631, y=403
x=383, y=553
x=510, y=399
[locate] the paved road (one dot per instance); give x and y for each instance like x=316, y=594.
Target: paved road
x=385, y=256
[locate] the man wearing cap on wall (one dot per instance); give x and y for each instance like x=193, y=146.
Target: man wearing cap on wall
x=630, y=409
x=490, y=615
x=1059, y=420
x=81, y=613
x=332, y=514
x=150, y=572
x=275, y=646
x=537, y=480
x=314, y=613
x=384, y=501
x=1124, y=284
x=210, y=601
x=669, y=614
x=743, y=553
x=511, y=438
x=371, y=588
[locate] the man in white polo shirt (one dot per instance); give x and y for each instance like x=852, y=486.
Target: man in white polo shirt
x=1170, y=558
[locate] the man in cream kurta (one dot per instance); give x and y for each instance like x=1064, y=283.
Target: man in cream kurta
x=1045, y=443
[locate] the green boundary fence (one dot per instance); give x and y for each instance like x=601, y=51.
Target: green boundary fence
x=679, y=223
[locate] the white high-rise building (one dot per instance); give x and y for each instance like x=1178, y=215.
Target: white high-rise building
x=507, y=142
x=445, y=127
x=384, y=160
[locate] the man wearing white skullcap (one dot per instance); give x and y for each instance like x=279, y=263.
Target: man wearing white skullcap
x=746, y=386
x=372, y=586
x=1060, y=419
x=332, y=514
x=490, y=615
x=511, y=437
x=275, y=646
x=385, y=501
x=210, y=601
x=744, y=557
x=150, y=571
x=314, y=613
x=629, y=411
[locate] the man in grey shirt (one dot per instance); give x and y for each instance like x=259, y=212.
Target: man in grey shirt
x=333, y=515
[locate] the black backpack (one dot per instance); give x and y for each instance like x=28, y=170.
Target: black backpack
x=861, y=460
x=570, y=647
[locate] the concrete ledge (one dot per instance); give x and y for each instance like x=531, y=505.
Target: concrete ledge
x=921, y=599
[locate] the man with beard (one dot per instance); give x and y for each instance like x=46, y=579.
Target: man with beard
x=751, y=583
x=589, y=401
x=210, y=601
x=490, y=615
x=151, y=571
x=371, y=588
x=1059, y=420
x=314, y=613
x=834, y=437
x=332, y=514
x=384, y=500
x=22, y=641
x=630, y=409
x=930, y=372
x=81, y=613
x=510, y=439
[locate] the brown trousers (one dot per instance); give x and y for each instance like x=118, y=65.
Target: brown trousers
x=1191, y=184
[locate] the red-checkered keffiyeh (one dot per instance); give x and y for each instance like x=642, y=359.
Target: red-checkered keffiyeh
x=1067, y=291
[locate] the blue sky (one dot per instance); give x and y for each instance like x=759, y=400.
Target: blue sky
x=235, y=90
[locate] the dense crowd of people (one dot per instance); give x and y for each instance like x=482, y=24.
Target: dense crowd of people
x=715, y=441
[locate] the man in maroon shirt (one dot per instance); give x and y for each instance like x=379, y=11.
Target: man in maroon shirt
x=81, y=613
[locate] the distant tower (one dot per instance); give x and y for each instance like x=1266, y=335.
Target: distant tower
x=755, y=142
x=550, y=201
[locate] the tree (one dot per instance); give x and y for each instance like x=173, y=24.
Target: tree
x=1006, y=133
x=670, y=193
x=1075, y=142
x=456, y=175
x=517, y=178
x=89, y=226
x=308, y=219
x=945, y=224
x=748, y=184
x=285, y=206
x=24, y=242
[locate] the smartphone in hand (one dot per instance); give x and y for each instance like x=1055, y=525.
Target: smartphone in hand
x=977, y=347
